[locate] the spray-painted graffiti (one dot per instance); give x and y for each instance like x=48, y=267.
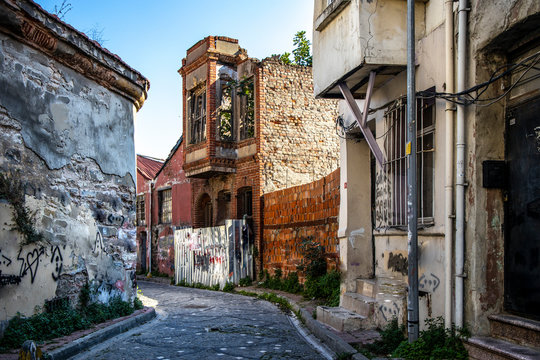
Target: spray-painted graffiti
x=389, y=310
x=58, y=261
x=116, y=219
x=213, y=255
x=30, y=262
x=398, y=263
x=429, y=282
x=4, y=260
x=99, y=245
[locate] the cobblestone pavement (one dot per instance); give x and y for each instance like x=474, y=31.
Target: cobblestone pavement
x=199, y=324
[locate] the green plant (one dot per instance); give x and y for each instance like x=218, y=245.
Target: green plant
x=84, y=296
x=392, y=335
x=229, y=287
x=137, y=304
x=215, y=287
x=12, y=190
x=246, y=281
x=283, y=304
x=436, y=342
x=326, y=287
x=301, y=52
x=313, y=262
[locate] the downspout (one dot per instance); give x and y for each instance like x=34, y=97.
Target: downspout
x=460, y=164
x=149, y=232
x=449, y=164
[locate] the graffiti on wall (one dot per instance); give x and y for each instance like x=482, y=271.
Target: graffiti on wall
x=429, y=282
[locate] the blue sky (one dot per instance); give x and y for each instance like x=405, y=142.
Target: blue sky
x=153, y=36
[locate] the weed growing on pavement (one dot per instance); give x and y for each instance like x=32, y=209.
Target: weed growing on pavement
x=246, y=293
x=246, y=281
x=283, y=304
x=436, y=342
x=290, y=284
x=229, y=287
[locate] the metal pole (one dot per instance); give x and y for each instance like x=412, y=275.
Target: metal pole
x=412, y=208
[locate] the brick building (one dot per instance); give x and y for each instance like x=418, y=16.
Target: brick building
x=251, y=127
x=147, y=168
x=169, y=204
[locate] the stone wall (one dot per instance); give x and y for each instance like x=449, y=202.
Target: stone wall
x=69, y=141
x=298, y=135
x=294, y=214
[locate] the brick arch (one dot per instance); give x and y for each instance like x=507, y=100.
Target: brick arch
x=203, y=211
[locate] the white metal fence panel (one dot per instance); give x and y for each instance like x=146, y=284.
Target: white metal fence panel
x=214, y=255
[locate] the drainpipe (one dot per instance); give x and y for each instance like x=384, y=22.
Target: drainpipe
x=149, y=232
x=449, y=166
x=460, y=163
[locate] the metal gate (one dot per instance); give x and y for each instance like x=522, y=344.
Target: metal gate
x=214, y=255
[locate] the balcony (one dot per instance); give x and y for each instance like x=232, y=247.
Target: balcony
x=352, y=38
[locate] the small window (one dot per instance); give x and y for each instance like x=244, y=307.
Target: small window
x=197, y=115
x=141, y=216
x=165, y=206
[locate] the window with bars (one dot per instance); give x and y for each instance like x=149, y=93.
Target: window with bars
x=141, y=216
x=395, y=211
x=197, y=115
x=165, y=206
x=226, y=120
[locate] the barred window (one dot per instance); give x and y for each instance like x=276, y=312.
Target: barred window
x=197, y=115
x=165, y=206
x=395, y=211
x=141, y=216
x=226, y=120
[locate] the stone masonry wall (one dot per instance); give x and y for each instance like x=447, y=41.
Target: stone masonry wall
x=69, y=141
x=298, y=137
x=296, y=213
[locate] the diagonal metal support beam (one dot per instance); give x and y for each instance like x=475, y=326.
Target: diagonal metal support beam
x=361, y=118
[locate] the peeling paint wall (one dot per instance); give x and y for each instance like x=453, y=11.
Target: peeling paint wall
x=70, y=141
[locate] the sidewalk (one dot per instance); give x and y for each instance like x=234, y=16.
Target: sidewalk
x=70, y=345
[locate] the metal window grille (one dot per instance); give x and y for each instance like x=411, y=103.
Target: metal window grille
x=226, y=119
x=395, y=211
x=141, y=216
x=165, y=206
x=197, y=115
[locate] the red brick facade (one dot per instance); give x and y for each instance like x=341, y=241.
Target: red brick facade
x=293, y=214
x=227, y=173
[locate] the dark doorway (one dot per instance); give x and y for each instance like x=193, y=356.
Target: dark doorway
x=142, y=241
x=522, y=215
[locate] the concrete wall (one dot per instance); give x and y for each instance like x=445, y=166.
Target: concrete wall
x=69, y=140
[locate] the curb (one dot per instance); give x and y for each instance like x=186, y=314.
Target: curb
x=81, y=344
x=334, y=342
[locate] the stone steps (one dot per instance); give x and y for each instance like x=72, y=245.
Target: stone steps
x=512, y=337
x=340, y=318
x=377, y=301
x=490, y=348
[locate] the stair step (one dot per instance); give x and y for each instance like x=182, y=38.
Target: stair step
x=366, y=287
x=360, y=304
x=516, y=329
x=340, y=318
x=489, y=348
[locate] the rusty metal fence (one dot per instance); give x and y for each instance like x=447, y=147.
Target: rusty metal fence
x=214, y=255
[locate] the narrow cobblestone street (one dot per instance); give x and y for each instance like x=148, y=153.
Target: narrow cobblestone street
x=199, y=324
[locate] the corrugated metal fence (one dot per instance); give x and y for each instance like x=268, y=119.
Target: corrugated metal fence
x=214, y=255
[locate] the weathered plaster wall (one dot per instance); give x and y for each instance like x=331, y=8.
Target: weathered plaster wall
x=298, y=138
x=70, y=142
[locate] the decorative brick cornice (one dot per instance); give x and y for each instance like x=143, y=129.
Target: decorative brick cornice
x=27, y=22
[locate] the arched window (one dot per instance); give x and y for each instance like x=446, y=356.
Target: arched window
x=244, y=202
x=223, y=207
x=204, y=211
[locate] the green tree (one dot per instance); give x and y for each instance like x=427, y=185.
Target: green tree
x=301, y=53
